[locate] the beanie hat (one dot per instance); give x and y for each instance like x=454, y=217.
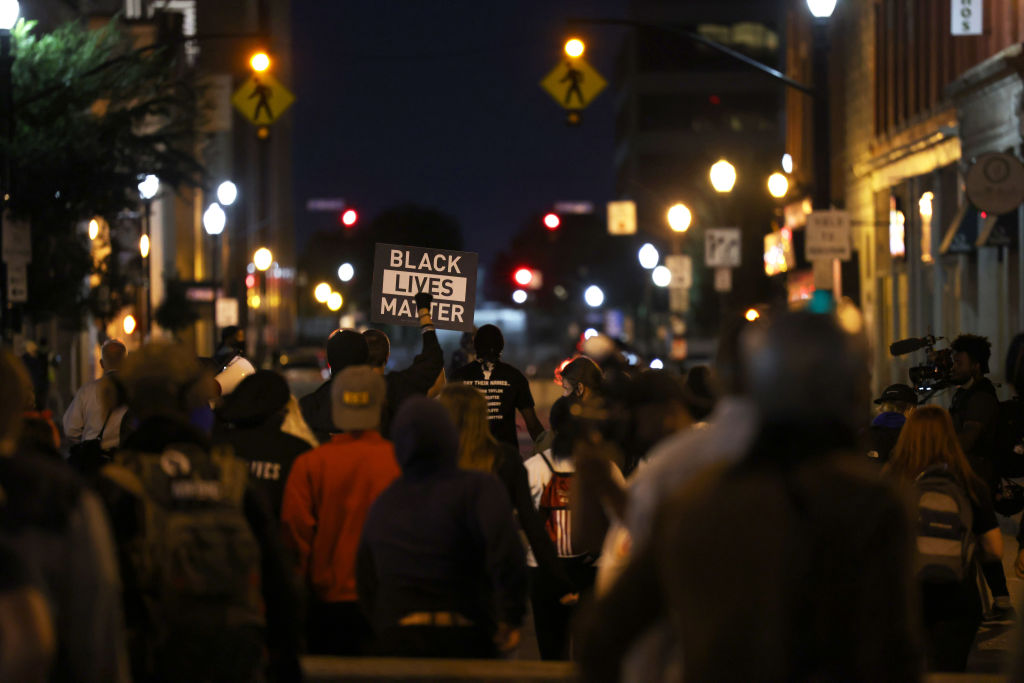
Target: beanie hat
x=256, y=398
x=425, y=437
x=345, y=348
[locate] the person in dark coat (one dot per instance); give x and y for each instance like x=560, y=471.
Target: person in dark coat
x=251, y=418
x=894, y=404
x=415, y=380
x=440, y=570
x=344, y=348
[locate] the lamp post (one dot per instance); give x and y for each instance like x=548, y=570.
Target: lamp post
x=149, y=186
x=9, y=10
x=821, y=10
x=262, y=258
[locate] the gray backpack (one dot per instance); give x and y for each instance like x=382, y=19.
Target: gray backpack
x=945, y=542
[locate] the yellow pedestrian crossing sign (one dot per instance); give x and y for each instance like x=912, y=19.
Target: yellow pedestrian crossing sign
x=262, y=99
x=573, y=83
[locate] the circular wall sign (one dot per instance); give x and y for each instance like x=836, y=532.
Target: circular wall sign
x=995, y=183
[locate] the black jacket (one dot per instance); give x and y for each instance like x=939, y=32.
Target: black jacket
x=415, y=380
x=316, y=411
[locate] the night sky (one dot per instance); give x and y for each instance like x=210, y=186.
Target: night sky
x=437, y=103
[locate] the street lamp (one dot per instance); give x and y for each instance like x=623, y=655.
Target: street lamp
x=262, y=259
x=593, y=296
x=821, y=9
x=679, y=216
x=128, y=324
x=94, y=229
x=9, y=10
x=214, y=220
x=648, y=256
x=144, y=246
x=778, y=185
x=519, y=296
x=322, y=292
x=149, y=186
x=260, y=62
x=723, y=176
x=661, y=276
x=346, y=272
x=334, y=301
x=227, y=193
x=787, y=163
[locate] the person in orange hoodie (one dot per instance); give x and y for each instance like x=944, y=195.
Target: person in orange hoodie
x=326, y=499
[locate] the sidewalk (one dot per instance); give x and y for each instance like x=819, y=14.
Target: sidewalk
x=995, y=641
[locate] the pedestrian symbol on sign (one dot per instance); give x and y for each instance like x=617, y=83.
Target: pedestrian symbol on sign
x=573, y=84
x=263, y=94
x=575, y=77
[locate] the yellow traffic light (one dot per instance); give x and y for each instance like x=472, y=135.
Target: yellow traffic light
x=260, y=62
x=574, y=47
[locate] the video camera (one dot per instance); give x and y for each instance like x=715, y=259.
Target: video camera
x=932, y=375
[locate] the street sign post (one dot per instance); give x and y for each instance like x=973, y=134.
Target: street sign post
x=681, y=267
x=678, y=299
x=400, y=272
x=262, y=99
x=622, y=217
x=573, y=83
x=828, y=236
x=722, y=248
x=723, y=279
x=17, y=283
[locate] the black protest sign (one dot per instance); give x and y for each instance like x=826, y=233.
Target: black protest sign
x=399, y=273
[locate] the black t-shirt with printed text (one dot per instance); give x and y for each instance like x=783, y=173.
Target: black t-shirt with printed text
x=506, y=391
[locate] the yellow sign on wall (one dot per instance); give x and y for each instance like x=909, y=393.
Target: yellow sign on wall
x=262, y=99
x=574, y=83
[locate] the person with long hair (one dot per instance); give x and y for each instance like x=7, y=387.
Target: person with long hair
x=952, y=612
x=480, y=451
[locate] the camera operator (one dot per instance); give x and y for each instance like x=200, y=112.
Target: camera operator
x=975, y=410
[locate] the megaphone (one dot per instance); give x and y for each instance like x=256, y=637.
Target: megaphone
x=237, y=369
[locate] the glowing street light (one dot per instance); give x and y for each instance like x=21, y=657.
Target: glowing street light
x=94, y=229
x=778, y=185
x=648, y=256
x=214, y=219
x=574, y=47
x=262, y=259
x=129, y=324
x=661, y=276
x=334, y=301
x=723, y=176
x=519, y=296
x=751, y=315
x=260, y=62
x=821, y=9
x=787, y=163
x=593, y=296
x=657, y=364
x=9, y=10
x=227, y=193
x=322, y=292
x=679, y=217
x=149, y=186
x=346, y=272
x=144, y=246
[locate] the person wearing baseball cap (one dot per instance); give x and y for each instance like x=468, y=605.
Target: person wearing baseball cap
x=895, y=404
x=344, y=348
x=326, y=499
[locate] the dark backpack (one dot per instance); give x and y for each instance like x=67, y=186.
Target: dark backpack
x=196, y=562
x=1008, y=444
x=945, y=541
x=554, y=509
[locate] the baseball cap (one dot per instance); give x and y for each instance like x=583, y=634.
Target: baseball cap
x=897, y=393
x=357, y=396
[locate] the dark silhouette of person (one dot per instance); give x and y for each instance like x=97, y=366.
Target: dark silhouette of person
x=263, y=93
x=575, y=77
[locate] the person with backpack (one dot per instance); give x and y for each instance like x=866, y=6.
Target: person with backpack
x=208, y=585
x=479, y=451
x=957, y=529
x=550, y=474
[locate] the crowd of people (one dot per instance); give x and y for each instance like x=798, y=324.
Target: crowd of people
x=751, y=521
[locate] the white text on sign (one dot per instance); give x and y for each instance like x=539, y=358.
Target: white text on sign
x=828, y=236
x=406, y=308
x=403, y=259
x=402, y=282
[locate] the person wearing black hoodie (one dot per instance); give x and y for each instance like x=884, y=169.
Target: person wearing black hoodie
x=440, y=570
x=250, y=422
x=344, y=348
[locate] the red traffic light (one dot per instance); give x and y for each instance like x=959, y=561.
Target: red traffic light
x=349, y=218
x=523, y=276
x=552, y=221
x=250, y=281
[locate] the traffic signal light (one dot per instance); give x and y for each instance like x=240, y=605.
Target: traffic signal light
x=552, y=221
x=260, y=61
x=523, y=276
x=349, y=217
